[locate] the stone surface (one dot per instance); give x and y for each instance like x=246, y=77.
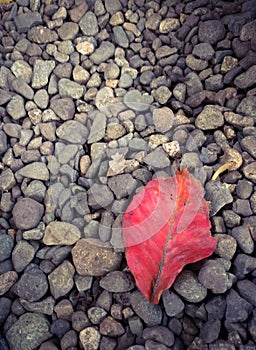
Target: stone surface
x=35, y=170
x=151, y=314
x=61, y=233
x=95, y=258
x=214, y=277
x=28, y=332
x=218, y=195
x=209, y=119
x=61, y=279
x=27, y=213
x=188, y=286
x=117, y=281
x=72, y=131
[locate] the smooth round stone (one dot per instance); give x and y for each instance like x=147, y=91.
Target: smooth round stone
x=136, y=101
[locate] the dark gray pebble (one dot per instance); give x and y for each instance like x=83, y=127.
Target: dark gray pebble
x=210, y=331
x=151, y=314
x=247, y=290
x=160, y=334
x=238, y=309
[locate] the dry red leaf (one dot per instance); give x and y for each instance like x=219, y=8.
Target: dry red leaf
x=165, y=227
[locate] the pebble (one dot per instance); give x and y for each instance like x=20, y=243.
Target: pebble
x=45, y=306
x=136, y=101
x=27, y=213
x=61, y=233
x=157, y=159
x=173, y=304
x=90, y=338
x=15, y=107
x=104, y=97
x=68, y=88
x=250, y=171
x=246, y=289
x=36, y=170
x=7, y=244
x=7, y=280
x=22, y=254
x=32, y=285
x=211, y=31
x=218, y=195
x=188, y=286
x=214, y=277
x=237, y=120
x=210, y=331
x=94, y=258
x=7, y=179
x=226, y=246
x=117, y=281
x=243, y=238
x=63, y=107
x=247, y=106
x=110, y=327
x=103, y=52
x=245, y=80
x=163, y=119
x=160, y=334
x=150, y=313
x=244, y=264
x=29, y=331
x=22, y=70
x=61, y=279
x=238, y=309
x=41, y=73
x=204, y=51
x=210, y=118
x=73, y=131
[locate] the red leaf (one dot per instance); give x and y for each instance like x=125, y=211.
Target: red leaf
x=165, y=227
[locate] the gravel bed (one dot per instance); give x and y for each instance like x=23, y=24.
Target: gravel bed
x=96, y=99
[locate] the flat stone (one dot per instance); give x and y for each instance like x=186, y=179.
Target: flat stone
x=7, y=243
x=104, y=97
x=36, y=170
x=247, y=290
x=120, y=37
x=188, y=286
x=250, y=171
x=100, y=196
x=247, y=106
x=111, y=327
x=226, y=246
x=213, y=276
x=7, y=179
x=94, y=258
x=41, y=35
x=238, y=309
x=193, y=83
x=32, y=284
x=89, y=24
x=117, y=282
x=103, y=52
x=98, y=128
x=63, y=107
x=160, y=334
x=242, y=207
x=41, y=72
x=218, y=194
x=113, y=6
x=116, y=184
x=248, y=31
x=7, y=280
x=246, y=79
x=211, y=31
x=136, y=101
x=24, y=21
x=22, y=70
x=243, y=238
x=163, y=119
x=238, y=120
x=22, y=89
x=23, y=253
x=150, y=313
x=61, y=233
x=173, y=304
x=3, y=142
x=68, y=31
x=61, y=279
x=157, y=159
x=90, y=335
x=204, y=51
x=27, y=213
x=68, y=88
x=210, y=118
x=46, y=306
x=248, y=144
x=73, y=131
x=15, y=107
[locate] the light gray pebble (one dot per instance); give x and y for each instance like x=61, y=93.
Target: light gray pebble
x=117, y=282
x=16, y=108
x=89, y=24
x=103, y=52
x=243, y=238
x=214, y=277
x=116, y=184
x=69, y=88
x=97, y=130
x=204, y=51
x=218, y=195
x=191, y=161
x=120, y=36
x=157, y=159
x=188, y=286
x=73, y=131
x=41, y=72
x=226, y=246
x=100, y=196
x=136, y=101
x=150, y=313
